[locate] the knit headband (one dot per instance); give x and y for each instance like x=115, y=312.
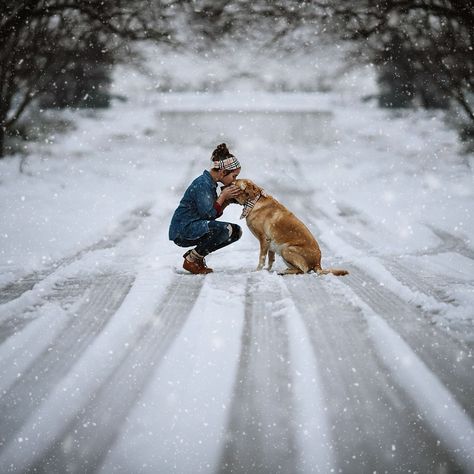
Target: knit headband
x=230, y=163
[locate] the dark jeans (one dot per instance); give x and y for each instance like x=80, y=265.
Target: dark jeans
x=217, y=237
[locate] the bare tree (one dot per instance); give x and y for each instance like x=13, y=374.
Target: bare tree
x=426, y=46
x=42, y=40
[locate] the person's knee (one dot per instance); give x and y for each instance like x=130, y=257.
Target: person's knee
x=235, y=232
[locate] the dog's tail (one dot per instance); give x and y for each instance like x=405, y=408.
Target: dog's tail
x=335, y=271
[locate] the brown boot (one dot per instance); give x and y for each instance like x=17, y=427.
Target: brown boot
x=195, y=263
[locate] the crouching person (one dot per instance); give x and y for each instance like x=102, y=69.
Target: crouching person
x=194, y=222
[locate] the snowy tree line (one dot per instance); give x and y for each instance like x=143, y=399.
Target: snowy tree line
x=59, y=53
x=423, y=49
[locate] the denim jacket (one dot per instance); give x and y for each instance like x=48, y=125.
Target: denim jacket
x=196, y=209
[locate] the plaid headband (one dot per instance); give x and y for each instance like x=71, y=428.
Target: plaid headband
x=230, y=163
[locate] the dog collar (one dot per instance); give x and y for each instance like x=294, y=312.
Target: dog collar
x=250, y=203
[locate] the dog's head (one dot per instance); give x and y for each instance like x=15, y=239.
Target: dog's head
x=248, y=190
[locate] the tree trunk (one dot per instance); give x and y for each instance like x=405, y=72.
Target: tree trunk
x=2, y=142
x=461, y=99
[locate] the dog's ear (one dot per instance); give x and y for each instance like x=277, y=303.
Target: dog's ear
x=242, y=185
x=253, y=189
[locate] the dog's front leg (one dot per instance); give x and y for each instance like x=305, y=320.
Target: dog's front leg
x=271, y=259
x=264, y=246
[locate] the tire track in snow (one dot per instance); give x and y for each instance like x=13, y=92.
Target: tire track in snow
x=440, y=350
x=416, y=282
x=445, y=354
x=260, y=434
x=128, y=224
x=419, y=282
x=374, y=425
x=13, y=325
x=450, y=243
x=34, y=385
x=450, y=360
x=428, y=284
x=435, y=403
x=63, y=292
x=85, y=441
x=399, y=271
x=13, y=290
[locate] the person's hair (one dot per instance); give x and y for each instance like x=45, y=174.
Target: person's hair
x=221, y=153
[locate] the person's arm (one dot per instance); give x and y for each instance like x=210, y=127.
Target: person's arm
x=219, y=208
x=227, y=202
x=226, y=196
x=209, y=207
x=206, y=203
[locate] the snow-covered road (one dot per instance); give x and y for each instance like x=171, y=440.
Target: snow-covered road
x=113, y=359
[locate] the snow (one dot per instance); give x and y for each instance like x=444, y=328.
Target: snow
x=435, y=403
x=314, y=432
x=388, y=194
x=192, y=389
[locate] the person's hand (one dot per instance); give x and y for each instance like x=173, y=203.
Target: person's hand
x=229, y=192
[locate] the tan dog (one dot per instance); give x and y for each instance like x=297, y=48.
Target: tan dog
x=279, y=231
